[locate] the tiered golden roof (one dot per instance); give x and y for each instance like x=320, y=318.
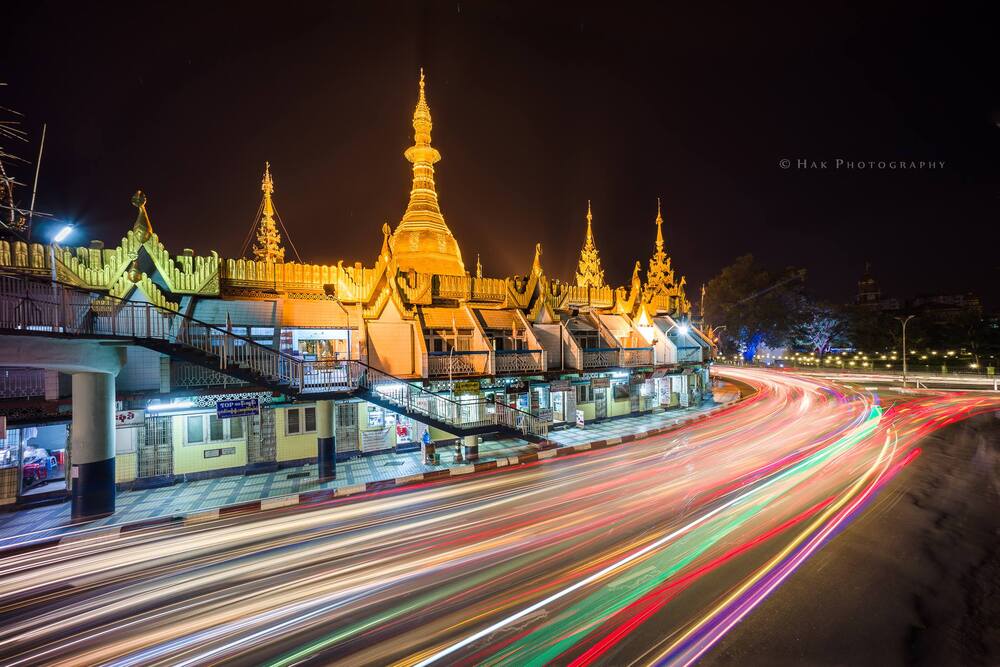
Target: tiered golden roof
x=422, y=241
x=268, y=247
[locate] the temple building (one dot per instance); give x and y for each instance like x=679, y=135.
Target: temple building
x=567, y=353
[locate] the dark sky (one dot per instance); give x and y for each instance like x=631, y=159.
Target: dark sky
x=536, y=109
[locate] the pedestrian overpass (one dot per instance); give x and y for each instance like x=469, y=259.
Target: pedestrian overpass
x=53, y=325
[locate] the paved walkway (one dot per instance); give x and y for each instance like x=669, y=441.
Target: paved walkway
x=189, y=497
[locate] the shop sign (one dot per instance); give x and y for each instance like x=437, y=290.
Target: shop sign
x=129, y=418
x=601, y=383
x=579, y=418
x=373, y=441
x=3, y=427
x=240, y=407
x=638, y=378
x=468, y=387
x=517, y=387
x=559, y=385
x=545, y=415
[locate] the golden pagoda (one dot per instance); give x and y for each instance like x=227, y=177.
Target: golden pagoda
x=422, y=241
x=660, y=276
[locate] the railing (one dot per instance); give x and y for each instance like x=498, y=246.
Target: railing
x=22, y=382
x=184, y=374
x=32, y=306
x=458, y=364
x=519, y=361
x=632, y=357
x=600, y=357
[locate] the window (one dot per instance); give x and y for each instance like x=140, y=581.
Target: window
x=300, y=420
x=584, y=393
x=206, y=428
x=215, y=429
x=195, y=429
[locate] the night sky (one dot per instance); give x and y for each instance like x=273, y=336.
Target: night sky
x=536, y=109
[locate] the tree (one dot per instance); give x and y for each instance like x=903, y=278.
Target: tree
x=822, y=327
x=755, y=305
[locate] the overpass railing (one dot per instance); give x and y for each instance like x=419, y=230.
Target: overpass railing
x=32, y=306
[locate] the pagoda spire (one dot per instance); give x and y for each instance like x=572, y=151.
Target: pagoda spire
x=268, y=247
x=589, y=272
x=660, y=277
x=422, y=241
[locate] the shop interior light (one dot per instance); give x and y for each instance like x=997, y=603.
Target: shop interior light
x=174, y=405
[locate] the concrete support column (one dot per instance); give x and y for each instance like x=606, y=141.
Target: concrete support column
x=326, y=444
x=470, y=447
x=92, y=445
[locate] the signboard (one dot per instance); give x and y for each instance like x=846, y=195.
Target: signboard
x=601, y=383
x=3, y=427
x=240, y=407
x=373, y=441
x=559, y=385
x=579, y=418
x=517, y=387
x=467, y=387
x=545, y=415
x=129, y=418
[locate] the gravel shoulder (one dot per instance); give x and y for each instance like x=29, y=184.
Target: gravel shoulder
x=915, y=580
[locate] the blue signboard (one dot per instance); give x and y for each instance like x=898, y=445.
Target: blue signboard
x=241, y=407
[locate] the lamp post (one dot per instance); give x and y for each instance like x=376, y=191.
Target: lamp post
x=904, y=321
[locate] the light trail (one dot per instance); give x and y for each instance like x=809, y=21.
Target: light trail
x=645, y=553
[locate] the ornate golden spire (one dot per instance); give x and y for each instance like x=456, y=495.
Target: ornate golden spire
x=422, y=240
x=589, y=272
x=659, y=227
x=268, y=247
x=479, y=267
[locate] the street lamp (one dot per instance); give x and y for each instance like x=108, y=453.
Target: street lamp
x=58, y=238
x=904, y=321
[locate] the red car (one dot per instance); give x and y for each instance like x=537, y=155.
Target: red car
x=32, y=473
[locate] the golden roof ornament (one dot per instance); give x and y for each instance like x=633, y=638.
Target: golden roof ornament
x=589, y=272
x=660, y=277
x=142, y=226
x=422, y=241
x=479, y=267
x=536, y=265
x=268, y=247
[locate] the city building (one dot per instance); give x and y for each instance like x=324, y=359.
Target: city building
x=565, y=353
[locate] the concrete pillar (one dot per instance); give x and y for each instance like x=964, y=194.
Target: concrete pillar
x=326, y=447
x=92, y=445
x=470, y=447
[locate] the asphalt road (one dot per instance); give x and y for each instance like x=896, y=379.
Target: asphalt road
x=646, y=553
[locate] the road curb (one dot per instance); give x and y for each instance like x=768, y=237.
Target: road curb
x=548, y=451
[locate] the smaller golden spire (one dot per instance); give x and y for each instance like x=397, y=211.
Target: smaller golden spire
x=268, y=247
x=659, y=227
x=590, y=219
x=479, y=267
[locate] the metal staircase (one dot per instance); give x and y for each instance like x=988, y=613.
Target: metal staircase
x=33, y=306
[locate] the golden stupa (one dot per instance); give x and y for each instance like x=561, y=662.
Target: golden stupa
x=422, y=241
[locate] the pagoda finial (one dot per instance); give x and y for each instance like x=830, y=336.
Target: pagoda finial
x=479, y=267
x=659, y=227
x=589, y=272
x=268, y=247
x=142, y=225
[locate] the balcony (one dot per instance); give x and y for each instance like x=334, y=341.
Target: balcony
x=613, y=357
x=634, y=357
x=457, y=364
x=184, y=376
x=517, y=362
x=22, y=382
x=600, y=357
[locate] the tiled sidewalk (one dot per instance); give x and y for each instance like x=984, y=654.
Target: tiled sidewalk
x=189, y=497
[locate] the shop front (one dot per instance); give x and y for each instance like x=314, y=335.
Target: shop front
x=33, y=460
x=317, y=344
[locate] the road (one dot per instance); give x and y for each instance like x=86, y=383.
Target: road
x=645, y=553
